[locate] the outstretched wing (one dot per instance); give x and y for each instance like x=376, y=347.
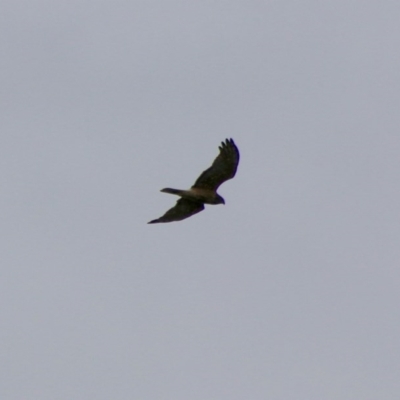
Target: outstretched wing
x=223, y=168
x=183, y=208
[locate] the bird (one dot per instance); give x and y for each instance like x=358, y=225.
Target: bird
x=204, y=190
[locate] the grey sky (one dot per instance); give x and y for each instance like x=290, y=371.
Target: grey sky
x=290, y=291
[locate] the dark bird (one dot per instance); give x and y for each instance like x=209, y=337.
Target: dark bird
x=204, y=190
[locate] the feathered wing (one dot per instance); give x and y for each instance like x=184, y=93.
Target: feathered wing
x=223, y=168
x=183, y=208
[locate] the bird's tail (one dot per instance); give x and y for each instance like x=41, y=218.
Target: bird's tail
x=172, y=191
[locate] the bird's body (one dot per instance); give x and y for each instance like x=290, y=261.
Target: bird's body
x=204, y=195
x=204, y=190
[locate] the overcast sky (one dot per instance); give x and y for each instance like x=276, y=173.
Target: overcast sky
x=290, y=291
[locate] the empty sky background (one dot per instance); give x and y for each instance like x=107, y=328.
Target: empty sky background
x=290, y=291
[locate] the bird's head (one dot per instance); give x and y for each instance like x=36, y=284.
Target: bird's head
x=220, y=199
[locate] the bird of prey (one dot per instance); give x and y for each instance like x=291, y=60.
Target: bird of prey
x=204, y=190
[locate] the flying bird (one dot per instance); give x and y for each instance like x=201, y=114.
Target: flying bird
x=204, y=190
